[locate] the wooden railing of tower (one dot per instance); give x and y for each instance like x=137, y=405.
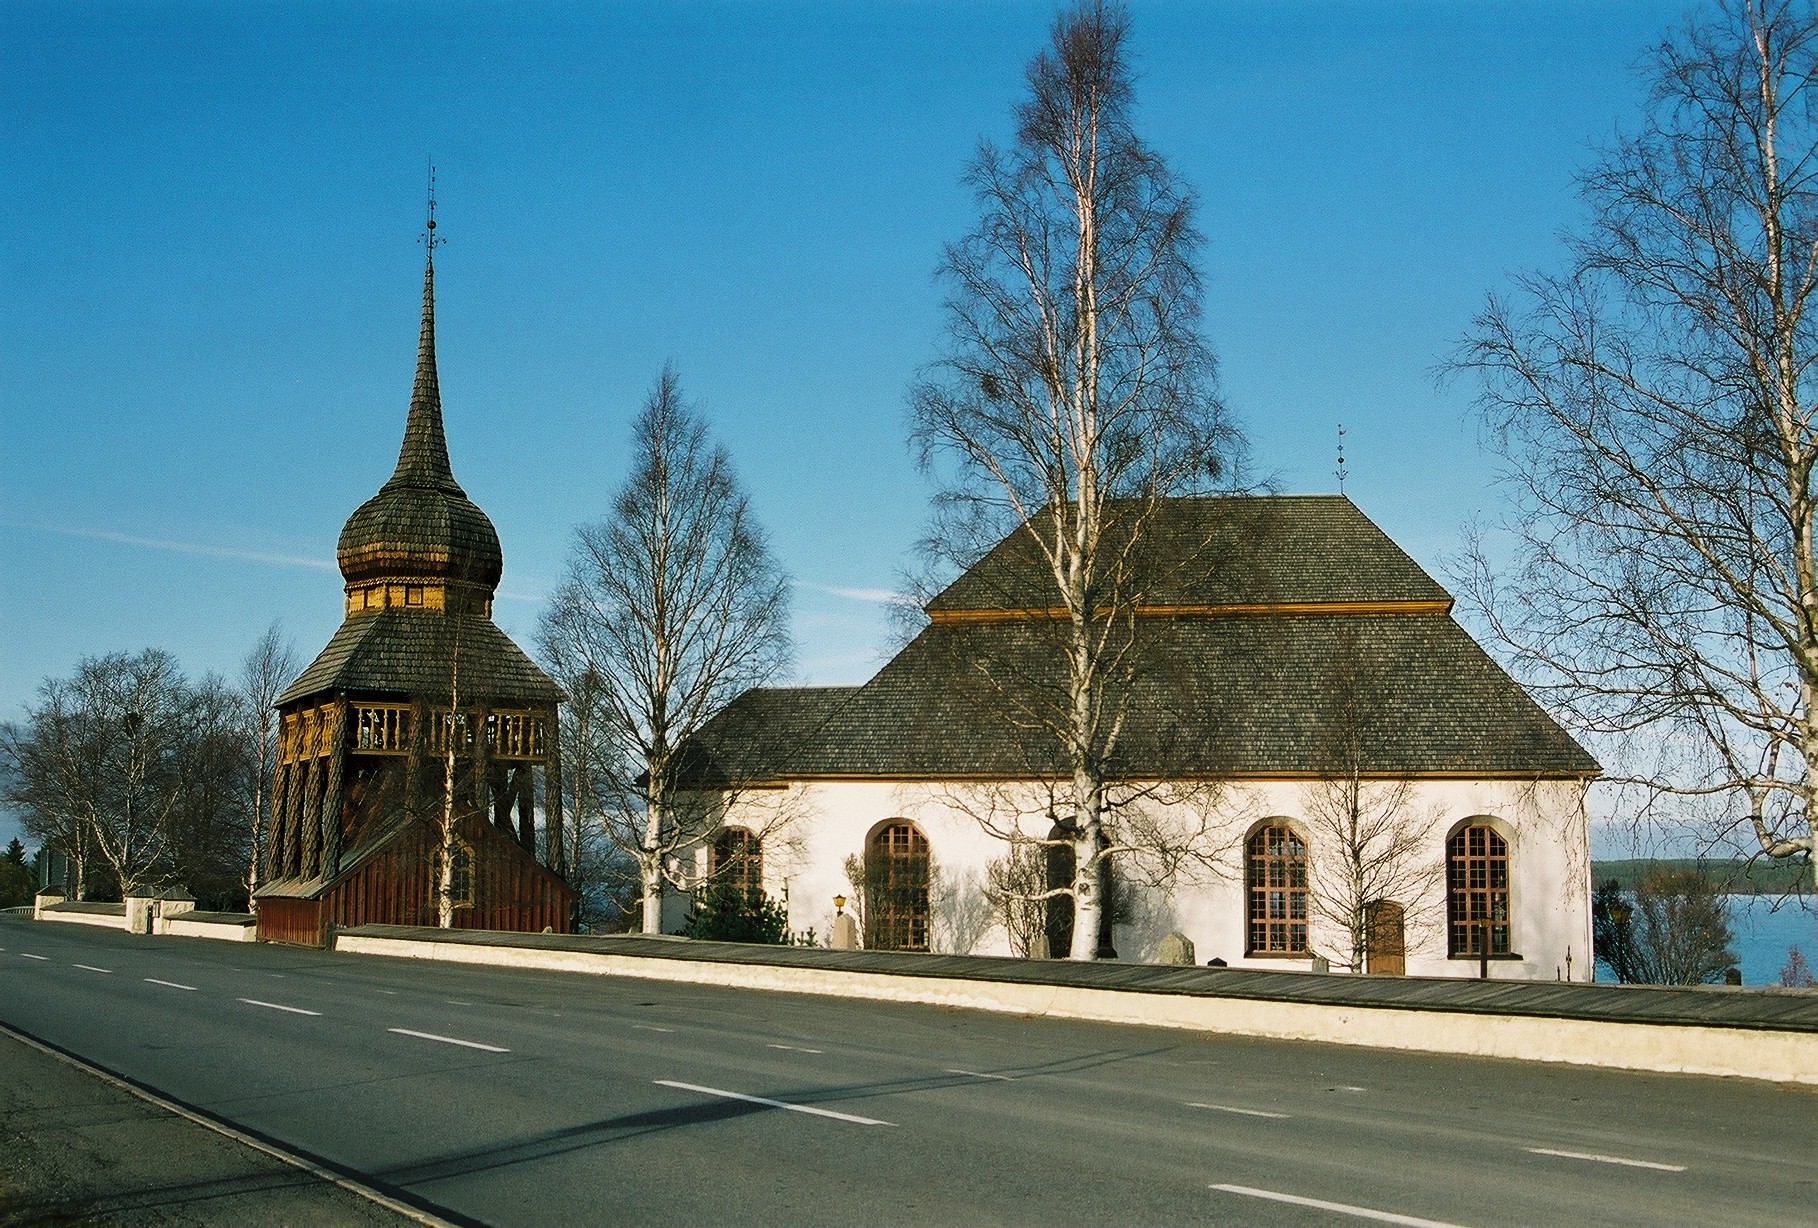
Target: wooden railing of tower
x=503, y=749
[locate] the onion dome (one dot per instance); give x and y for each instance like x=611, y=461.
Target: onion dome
x=421, y=526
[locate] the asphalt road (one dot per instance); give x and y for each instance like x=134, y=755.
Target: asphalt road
x=508, y=1098
x=79, y=1152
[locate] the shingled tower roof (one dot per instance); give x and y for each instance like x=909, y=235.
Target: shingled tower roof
x=417, y=558
x=421, y=525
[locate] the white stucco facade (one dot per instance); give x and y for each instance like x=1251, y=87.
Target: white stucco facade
x=1543, y=824
x=1306, y=758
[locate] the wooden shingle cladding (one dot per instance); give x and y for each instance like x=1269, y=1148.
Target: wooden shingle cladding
x=412, y=652
x=1234, y=550
x=421, y=523
x=1238, y=687
x=367, y=727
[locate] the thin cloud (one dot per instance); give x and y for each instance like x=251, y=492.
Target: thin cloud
x=216, y=552
x=874, y=596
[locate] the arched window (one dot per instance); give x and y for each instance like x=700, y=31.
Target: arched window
x=1477, y=892
x=738, y=861
x=896, y=889
x=1275, y=869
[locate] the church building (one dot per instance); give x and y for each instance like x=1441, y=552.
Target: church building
x=1345, y=775
x=418, y=688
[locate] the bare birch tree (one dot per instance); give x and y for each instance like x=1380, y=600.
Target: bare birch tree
x=107, y=760
x=54, y=762
x=264, y=674
x=1073, y=395
x=454, y=735
x=1369, y=845
x=1656, y=403
x=675, y=605
x=592, y=864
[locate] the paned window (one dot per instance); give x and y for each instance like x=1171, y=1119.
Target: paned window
x=896, y=889
x=1477, y=892
x=1276, y=873
x=738, y=861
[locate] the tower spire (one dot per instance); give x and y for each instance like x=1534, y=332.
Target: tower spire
x=423, y=458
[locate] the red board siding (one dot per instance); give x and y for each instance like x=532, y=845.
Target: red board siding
x=396, y=887
x=294, y=921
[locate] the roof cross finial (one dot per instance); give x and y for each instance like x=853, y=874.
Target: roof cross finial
x=1341, y=472
x=430, y=238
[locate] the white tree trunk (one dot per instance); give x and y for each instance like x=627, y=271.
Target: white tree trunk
x=445, y=880
x=653, y=895
x=1088, y=906
x=650, y=865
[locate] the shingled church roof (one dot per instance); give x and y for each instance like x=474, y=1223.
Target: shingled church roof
x=1281, y=550
x=1283, y=602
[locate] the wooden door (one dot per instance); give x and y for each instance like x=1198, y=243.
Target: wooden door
x=1385, y=948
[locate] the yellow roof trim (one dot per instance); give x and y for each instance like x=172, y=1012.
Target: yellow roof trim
x=1424, y=607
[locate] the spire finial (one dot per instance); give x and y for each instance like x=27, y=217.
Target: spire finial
x=430, y=238
x=1341, y=472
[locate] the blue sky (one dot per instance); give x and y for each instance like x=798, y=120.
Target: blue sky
x=210, y=275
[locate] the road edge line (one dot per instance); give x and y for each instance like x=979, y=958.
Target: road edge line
x=352, y=1185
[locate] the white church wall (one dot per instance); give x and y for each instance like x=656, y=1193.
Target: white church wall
x=1544, y=824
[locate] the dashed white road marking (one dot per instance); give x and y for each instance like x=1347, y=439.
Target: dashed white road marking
x=390, y=993
x=452, y=1002
x=29, y=955
x=278, y=1006
x=171, y=984
x=650, y=1027
x=775, y=1104
x=1382, y=1217
x=448, y=1040
x=92, y=968
x=979, y=1074
x=1602, y=1159
x=792, y=1048
x=1231, y=1108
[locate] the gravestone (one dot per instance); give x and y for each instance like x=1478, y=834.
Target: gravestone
x=1175, y=948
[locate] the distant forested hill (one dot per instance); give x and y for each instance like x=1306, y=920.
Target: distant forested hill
x=1737, y=875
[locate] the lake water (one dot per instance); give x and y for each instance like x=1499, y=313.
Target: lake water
x=1763, y=934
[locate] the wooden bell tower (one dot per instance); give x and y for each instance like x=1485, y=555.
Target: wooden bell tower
x=418, y=690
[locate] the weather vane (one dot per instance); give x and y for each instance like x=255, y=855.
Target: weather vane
x=1341, y=471
x=430, y=239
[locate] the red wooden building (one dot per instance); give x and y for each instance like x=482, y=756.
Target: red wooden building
x=418, y=687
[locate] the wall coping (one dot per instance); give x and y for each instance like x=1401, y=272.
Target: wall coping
x=1767, y=1008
